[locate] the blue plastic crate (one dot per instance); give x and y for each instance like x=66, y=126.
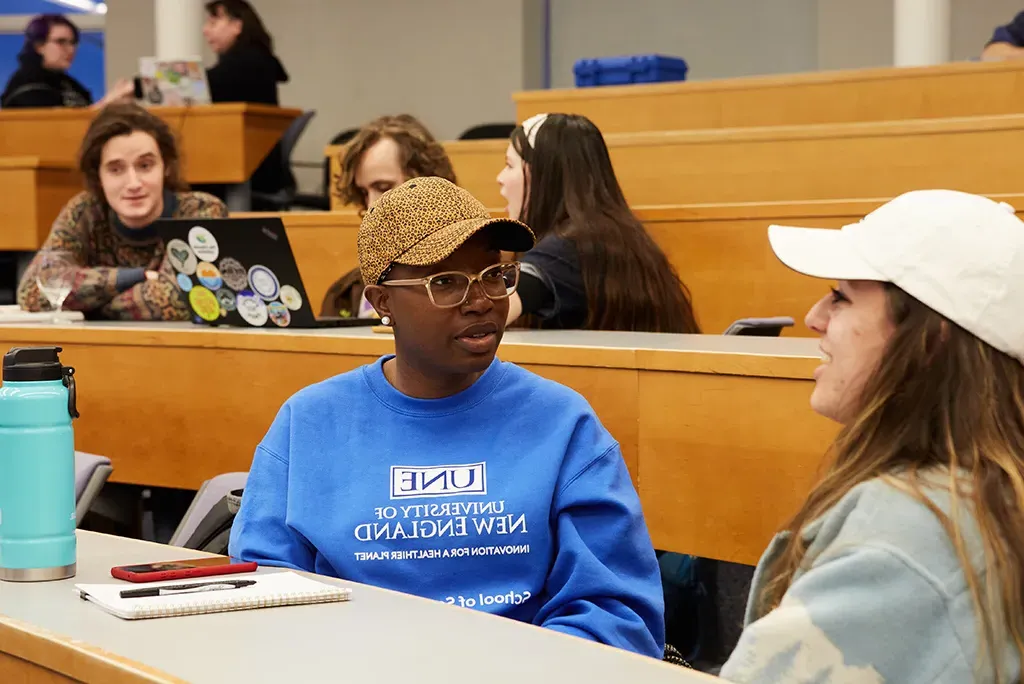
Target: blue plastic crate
x=630, y=69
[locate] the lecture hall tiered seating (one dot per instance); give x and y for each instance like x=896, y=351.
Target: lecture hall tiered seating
x=706, y=166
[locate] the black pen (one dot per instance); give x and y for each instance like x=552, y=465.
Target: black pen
x=174, y=590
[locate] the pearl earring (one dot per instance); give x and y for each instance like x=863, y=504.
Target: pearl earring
x=385, y=320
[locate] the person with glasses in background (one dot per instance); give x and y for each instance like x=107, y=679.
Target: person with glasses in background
x=385, y=153
x=51, y=41
x=444, y=472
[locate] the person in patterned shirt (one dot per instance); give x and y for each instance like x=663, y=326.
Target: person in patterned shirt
x=133, y=177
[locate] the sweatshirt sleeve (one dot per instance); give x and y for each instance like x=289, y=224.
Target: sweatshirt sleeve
x=161, y=299
x=92, y=287
x=149, y=300
x=260, y=531
x=604, y=584
x=863, y=615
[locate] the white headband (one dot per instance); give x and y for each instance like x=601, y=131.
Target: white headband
x=531, y=126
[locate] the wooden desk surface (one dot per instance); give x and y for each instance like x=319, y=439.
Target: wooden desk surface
x=879, y=94
x=716, y=431
x=721, y=251
x=788, y=163
x=377, y=636
x=221, y=143
x=32, y=193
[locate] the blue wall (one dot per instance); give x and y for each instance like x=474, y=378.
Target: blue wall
x=89, y=65
x=34, y=7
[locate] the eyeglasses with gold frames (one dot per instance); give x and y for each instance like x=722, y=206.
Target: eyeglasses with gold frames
x=451, y=288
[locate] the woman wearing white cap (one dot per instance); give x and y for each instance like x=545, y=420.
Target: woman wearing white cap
x=906, y=562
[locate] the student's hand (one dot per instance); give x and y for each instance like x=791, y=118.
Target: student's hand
x=123, y=91
x=152, y=275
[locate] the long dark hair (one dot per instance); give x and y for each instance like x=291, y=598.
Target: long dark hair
x=38, y=31
x=572, y=191
x=253, y=30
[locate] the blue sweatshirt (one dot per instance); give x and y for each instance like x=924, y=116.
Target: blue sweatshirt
x=509, y=497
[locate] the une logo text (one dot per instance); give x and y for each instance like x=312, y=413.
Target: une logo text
x=447, y=480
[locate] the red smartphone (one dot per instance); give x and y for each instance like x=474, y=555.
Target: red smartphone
x=171, y=570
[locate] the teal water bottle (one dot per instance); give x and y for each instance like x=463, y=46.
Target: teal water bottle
x=37, y=466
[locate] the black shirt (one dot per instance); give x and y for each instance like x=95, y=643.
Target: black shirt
x=32, y=85
x=551, y=284
x=249, y=73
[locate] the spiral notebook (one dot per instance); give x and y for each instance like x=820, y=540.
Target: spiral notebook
x=271, y=590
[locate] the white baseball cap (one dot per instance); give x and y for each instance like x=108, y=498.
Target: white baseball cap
x=960, y=254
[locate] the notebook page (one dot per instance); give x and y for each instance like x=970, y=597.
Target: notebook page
x=271, y=589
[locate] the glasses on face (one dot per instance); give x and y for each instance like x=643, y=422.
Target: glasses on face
x=451, y=288
x=65, y=42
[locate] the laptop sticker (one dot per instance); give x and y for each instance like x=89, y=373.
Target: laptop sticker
x=279, y=314
x=226, y=298
x=264, y=282
x=291, y=298
x=251, y=308
x=366, y=309
x=204, y=303
x=234, y=274
x=181, y=256
x=203, y=243
x=209, y=276
x=184, y=282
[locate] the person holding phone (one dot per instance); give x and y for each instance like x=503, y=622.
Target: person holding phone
x=247, y=70
x=444, y=472
x=51, y=41
x=385, y=153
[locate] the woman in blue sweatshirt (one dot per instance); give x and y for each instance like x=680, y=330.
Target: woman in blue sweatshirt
x=444, y=472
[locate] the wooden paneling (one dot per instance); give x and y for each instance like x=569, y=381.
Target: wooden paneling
x=222, y=143
x=790, y=163
x=721, y=251
x=715, y=439
x=856, y=95
x=476, y=164
x=32, y=193
x=799, y=163
x=716, y=431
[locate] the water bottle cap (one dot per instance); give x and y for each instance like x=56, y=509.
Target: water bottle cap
x=32, y=364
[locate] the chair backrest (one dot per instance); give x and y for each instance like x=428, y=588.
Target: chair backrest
x=292, y=134
x=490, y=131
x=762, y=327
x=91, y=473
x=211, y=493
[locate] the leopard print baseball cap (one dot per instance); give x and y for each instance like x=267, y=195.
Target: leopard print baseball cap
x=423, y=221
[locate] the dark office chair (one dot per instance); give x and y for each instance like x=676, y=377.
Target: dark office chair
x=491, y=131
x=283, y=199
x=322, y=201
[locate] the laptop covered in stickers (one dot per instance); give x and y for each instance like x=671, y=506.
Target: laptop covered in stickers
x=241, y=272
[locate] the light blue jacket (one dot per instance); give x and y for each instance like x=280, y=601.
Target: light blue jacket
x=884, y=599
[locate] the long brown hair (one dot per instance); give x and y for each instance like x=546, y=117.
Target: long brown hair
x=572, y=191
x=941, y=400
x=419, y=154
x=124, y=119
